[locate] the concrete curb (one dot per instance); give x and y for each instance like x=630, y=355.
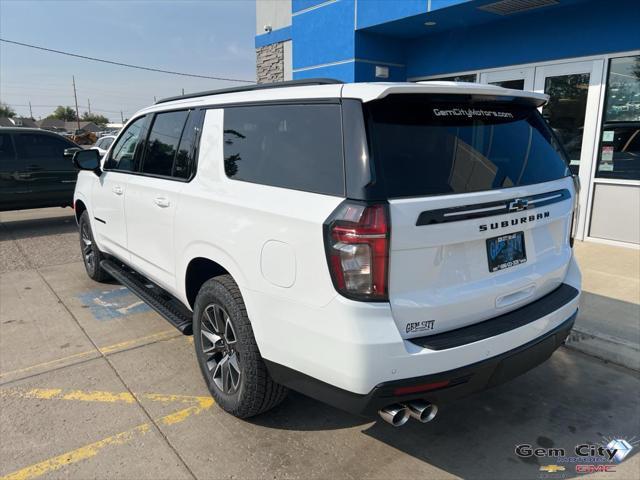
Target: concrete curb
x=605, y=347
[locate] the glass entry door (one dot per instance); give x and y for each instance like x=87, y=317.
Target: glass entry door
x=572, y=113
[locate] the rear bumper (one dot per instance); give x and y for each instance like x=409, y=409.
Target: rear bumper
x=462, y=381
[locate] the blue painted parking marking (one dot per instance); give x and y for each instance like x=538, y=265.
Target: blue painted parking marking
x=110, y=304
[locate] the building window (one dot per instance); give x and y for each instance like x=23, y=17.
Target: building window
x=619, y=153
x=456, y=78
x=517, y=84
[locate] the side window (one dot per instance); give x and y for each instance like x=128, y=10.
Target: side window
x=106, y=142
x=7, y=152
x=123, y=153
x=46, y=151
x=291, y=146
x=184, y=162
x=163, y=142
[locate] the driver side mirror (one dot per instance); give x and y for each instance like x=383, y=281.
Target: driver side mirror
x=87, y=160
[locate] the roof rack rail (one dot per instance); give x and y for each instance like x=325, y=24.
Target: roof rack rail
x=255, y=86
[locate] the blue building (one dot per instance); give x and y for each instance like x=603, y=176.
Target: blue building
x=584, y=53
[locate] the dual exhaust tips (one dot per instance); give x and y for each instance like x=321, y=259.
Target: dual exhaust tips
x=398, y=414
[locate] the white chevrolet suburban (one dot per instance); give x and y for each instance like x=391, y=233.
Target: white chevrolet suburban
x=381, y=247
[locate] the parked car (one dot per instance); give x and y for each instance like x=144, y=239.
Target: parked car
x=103, y=144
x=380, y=247
x=34, y=170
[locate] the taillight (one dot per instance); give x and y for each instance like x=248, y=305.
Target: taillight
x=357, y=245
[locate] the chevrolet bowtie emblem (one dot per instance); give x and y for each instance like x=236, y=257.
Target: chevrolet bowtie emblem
x=551, y=468
x=518, y=205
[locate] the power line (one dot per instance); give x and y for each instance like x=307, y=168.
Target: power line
x=93, y=109
x=139, y=67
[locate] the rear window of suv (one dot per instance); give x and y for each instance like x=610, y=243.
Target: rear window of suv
x=290, y=146
x=427, y=147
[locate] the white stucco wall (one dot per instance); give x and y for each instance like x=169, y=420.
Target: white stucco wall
x=276, y=13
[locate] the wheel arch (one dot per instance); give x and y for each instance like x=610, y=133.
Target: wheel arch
x=79, y=207
x=198, y=271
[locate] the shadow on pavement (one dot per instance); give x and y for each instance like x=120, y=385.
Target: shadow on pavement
x=39, y=227
x=569, y=400
x=301, y=413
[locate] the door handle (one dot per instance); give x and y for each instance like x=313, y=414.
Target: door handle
x=162, y=202
x=117, y=189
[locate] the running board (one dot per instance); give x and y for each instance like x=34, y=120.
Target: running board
x=171, y=309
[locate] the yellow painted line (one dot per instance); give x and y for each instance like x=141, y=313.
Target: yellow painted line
x=161, y=397
x=96, y=396
x=51, y=363
x=91, y=450
x=164, y=335
x=74, y=456
x=44, y=393
x=100, y=396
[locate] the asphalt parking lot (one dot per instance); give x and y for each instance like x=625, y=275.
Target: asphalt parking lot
x=94, y=384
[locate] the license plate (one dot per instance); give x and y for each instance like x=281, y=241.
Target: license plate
x=506, y=251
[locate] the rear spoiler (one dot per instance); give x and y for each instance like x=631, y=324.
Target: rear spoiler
x=375, y=91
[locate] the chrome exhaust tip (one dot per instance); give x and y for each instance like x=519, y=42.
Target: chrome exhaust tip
x=396, y=414
x=422, y=411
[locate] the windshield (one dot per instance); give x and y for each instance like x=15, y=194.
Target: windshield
x=424, y=147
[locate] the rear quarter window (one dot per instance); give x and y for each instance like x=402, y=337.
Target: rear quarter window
x=424, y=147
x=290, y=146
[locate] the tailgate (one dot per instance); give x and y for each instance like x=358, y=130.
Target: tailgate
x=481, y=204
x=439, y=273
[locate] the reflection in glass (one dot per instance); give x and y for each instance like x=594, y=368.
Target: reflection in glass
x=123, y=152
x=619, y=154
x=623, y=90
x=514, y=84
x=163, y=142
x=456, y=78
x=292, y=146
x=566, y=111
x=429, y=148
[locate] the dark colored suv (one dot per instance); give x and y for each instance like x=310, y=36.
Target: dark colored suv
x=34, y=171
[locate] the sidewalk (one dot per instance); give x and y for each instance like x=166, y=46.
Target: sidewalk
x=608, y=325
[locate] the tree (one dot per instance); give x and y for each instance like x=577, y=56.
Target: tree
x=95, y=118
x=68, y=114
x=6, y=111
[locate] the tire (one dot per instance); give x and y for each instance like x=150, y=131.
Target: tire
x=227, y=352
x=91, y=255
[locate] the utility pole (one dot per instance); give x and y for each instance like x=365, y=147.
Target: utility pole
x=30, y=111
x=121, y=118
x=154, y=99
x=76, y=98
x=89, y=105
x=183, y=91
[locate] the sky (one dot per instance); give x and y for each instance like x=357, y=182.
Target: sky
x=207, y=37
